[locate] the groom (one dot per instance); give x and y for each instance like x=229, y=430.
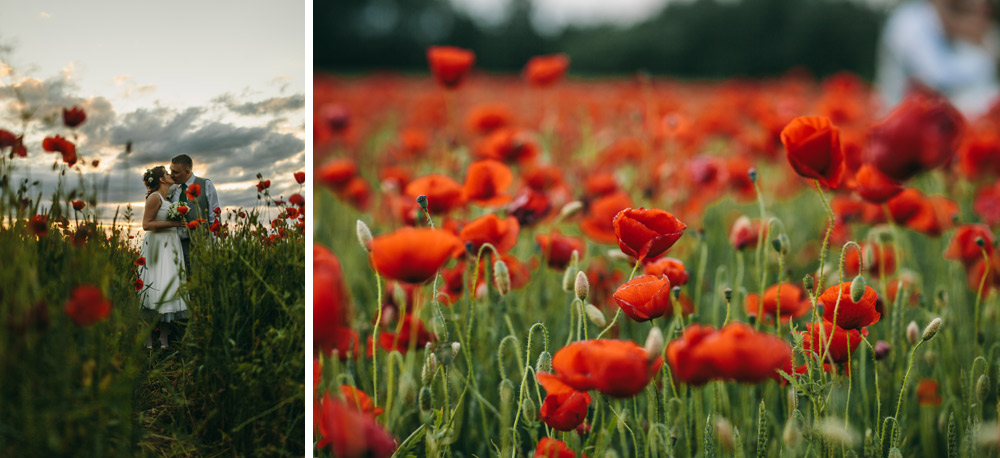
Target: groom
x=202, y=205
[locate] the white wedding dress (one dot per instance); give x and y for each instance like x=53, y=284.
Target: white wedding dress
x=163, y=275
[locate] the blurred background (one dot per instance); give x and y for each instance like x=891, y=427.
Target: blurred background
x=682, y=38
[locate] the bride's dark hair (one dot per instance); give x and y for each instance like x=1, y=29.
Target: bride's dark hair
x=152, y=178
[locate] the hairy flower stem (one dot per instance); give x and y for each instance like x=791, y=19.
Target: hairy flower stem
x=378, y=322
x=826, y=239
x=979, y=293
x=758, y=256
x=902, y=389
x=878, y=394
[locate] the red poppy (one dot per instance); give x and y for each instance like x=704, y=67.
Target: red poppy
x=543, y=177
x=553, y=448
x=501, y=233
x=140, y=262
x=194, y=191
x=546, y=70
x=87, y=305
x=645, y=233
x=485, y=182
x=813, y=147
x=349, y=433
x=261, y=185
x=484, y=119
x=922, y=133
x=557, y=249
x=194, y=224
x=987, y=204
x=873, y=186
x=450, y=64
x=508, y=145
x=529, y=206
x=735, y=352
x=975, y=273
x=138, y=284
x=644, y=297
x=673, y=268
x=564, y=408
x=410, y=333
x=600, y=184
x=598, y=223
x=878, y=259
x=359, y=400
x=78, y=205
x=616, y=368
x=294, y=199
x=336, y=173
x=300, y=177
x=841, y=343
x=443, y=193
x=413, y=140
x=793, y=302
x=61, y=145
x=7, y=139
x=357, y=193
x=963, y=247
x=849, y=314
x=979, y=155
x=183, y=210
x=39, y=225
x=73, y=117
x=927, y=393
x=744, y=233
x=329, y=299
x=413, y=255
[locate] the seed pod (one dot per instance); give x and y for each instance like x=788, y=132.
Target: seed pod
x=422, y=201
x=858, y=287
x=912, y=333
x=780, y=243
x=364, y=235
x=654, y=343
x=675, y=292
x=752, y=173
x=582, y=286
x=932, y=329
x=501, y=277
x=728, y=293
x=544, y=363
x=595, y=316
x=808, y=281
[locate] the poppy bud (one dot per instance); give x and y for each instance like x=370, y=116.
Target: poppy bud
x=983, y=387
x=570, y=209
x=582, y=286
x=724, y=432
x=932, y=329
x=568, y=279
x=654, y=343
x=912, y=333
x=506, y=391
x=808, y=282
x=882, y=349
x=728, y=292
x=858, y=288
x=425, y=399
x=792, y=435
x=895, y=453
x=544, y=363
x=364, y=235
x=980, y=241
x=529, y=409
x=501, y=276
x=610, y=453
x=594, y=315
x=422, y=201
x=833, y=430
x=780, y=243
x=752, y=173
x=931, y=357
x=675, y=291
x=430, y=366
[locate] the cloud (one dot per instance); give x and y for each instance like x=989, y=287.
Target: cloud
x=272, y=106
x=45, y=100
x=44, y=15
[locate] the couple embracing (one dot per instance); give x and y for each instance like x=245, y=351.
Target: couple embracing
x=176, y=203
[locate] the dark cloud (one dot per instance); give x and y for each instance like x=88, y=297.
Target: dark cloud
x=44, y=101
x=272, y=106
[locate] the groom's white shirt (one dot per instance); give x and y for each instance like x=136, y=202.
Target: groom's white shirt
x=210, y=194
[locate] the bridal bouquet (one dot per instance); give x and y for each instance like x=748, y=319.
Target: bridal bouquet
x=177, y=211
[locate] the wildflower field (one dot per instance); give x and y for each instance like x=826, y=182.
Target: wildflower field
x=78, y=379
x=536, y=265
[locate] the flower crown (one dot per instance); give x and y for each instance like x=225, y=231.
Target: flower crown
x=148, y=177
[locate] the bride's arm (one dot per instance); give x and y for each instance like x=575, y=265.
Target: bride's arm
x=149, y=214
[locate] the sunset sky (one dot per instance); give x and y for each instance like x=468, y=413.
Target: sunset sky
x=222, y=82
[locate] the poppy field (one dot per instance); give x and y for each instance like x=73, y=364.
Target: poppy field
x=541, y=265
x=78, y=377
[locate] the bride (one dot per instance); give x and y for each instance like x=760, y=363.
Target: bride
x=162, y=275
